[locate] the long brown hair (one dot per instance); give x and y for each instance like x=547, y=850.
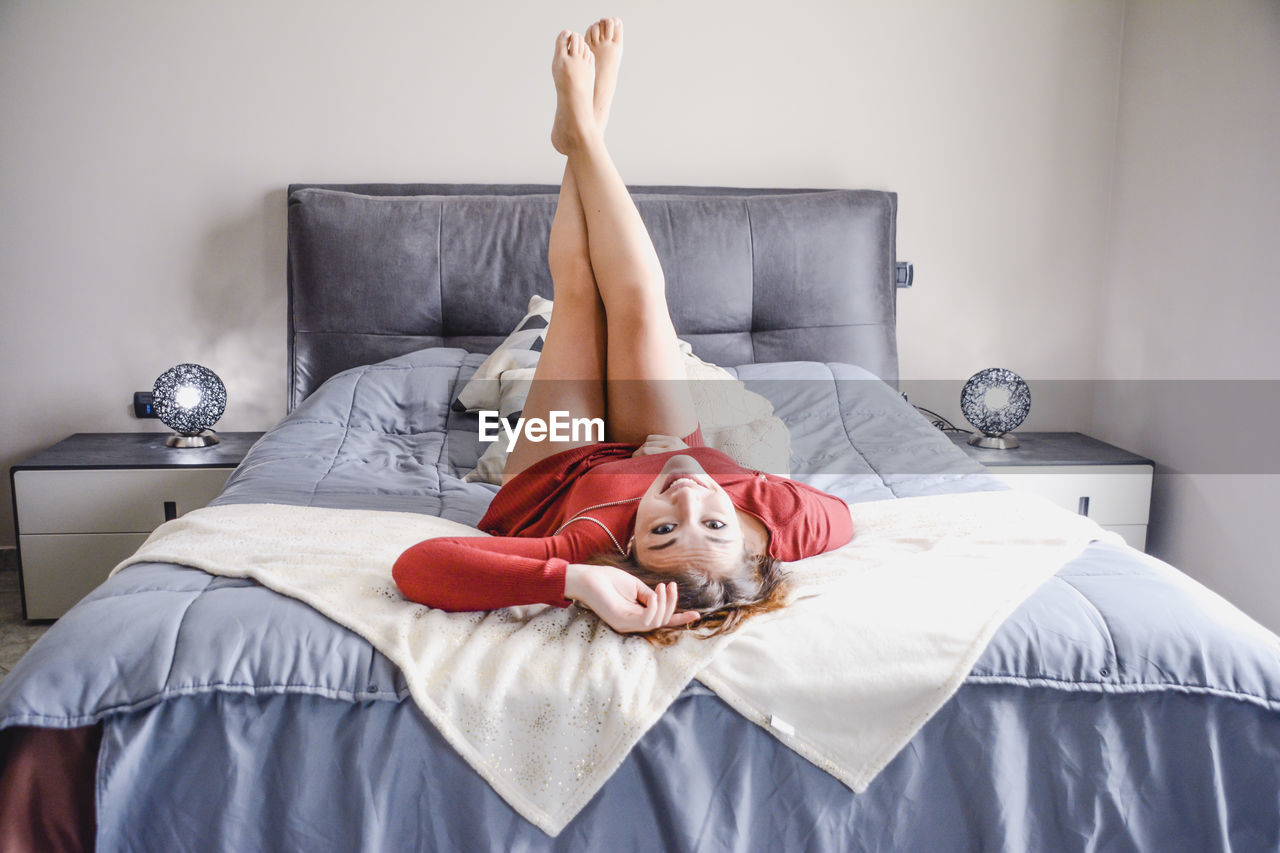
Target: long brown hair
x=723, y=602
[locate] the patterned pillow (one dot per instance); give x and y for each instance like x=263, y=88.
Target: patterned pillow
x=519, y=350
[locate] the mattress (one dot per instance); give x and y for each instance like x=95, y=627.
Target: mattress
x=1122, y=706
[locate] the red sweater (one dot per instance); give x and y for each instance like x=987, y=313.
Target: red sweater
x=524, y=562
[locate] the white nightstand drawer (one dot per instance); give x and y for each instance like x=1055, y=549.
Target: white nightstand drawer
x=110, y=500
x=1134, y=534
x=1117, y=494
x=59, y=570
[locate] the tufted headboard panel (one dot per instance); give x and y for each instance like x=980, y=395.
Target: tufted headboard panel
x=379, y=270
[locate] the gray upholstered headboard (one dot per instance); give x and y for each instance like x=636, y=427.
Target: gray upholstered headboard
x=380, y=270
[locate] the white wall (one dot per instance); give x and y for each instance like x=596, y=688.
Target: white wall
x=145, y=147
x=1193, y=287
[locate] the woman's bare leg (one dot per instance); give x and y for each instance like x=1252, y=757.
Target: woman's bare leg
x=571, y=369
x=646, y=388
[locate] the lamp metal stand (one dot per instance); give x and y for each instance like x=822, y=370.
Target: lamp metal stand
x=208, y=438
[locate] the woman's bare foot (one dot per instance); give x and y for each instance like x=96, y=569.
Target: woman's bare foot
x=573, y=69
x=604, y=37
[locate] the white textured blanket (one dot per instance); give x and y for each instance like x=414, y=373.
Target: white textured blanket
x=545, y=703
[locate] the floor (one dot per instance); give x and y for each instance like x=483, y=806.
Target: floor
x=16, y=634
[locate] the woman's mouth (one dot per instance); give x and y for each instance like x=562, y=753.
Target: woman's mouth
x=680, y=480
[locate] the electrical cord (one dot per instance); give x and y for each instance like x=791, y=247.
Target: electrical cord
x=940, y=422
x=936, y=419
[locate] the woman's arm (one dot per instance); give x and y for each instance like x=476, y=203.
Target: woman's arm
x=475, y=573
x=478, y=573
x=803, y=521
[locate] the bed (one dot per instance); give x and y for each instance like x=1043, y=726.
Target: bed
x=1118, y=707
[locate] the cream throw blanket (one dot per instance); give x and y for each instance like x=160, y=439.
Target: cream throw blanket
x=545, y=703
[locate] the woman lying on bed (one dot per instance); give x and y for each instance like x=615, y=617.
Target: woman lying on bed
x=650, y=531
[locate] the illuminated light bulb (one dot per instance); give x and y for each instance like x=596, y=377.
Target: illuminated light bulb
x=188, y=397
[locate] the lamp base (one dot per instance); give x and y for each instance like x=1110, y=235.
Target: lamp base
x=208, y=438
x=994, y=442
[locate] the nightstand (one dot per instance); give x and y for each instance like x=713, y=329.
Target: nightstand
x=1110, y=485
x=89, y=501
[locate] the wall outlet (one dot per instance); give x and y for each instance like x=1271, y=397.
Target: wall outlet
x=144, y=405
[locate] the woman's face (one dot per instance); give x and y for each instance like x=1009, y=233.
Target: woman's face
x=685, y=519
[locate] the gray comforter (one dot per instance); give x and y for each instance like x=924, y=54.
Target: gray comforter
x=1111, y=711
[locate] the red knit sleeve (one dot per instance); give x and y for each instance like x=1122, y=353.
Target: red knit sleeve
x=483, y=573
x=802, y=521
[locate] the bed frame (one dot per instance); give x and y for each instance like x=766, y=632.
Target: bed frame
x=753, y=275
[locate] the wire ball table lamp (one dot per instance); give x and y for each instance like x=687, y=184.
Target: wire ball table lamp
x=189, y=399
x=996, y=401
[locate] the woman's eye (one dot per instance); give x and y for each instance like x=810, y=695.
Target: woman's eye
x=714, y=524
x=663, y=529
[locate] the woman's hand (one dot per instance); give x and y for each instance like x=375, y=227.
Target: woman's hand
x=660, y=444
x=623, y=601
